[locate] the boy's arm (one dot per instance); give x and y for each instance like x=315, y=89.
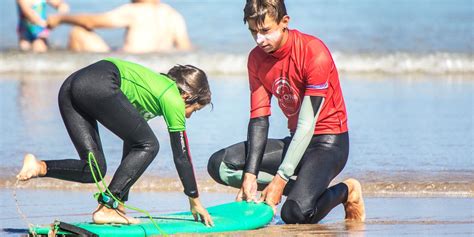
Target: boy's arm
x=60, y=5
x=181, y=38
x=307, y=119
x=257, y=135
x=30, y=14
x=119, y=17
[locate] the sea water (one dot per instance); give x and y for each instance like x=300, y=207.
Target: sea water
x=406, y=70
x=404, y=130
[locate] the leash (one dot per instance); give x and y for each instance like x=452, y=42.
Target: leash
x=25, y=219
x=91, y=158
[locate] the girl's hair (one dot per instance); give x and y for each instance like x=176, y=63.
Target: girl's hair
x=193, y=81
x=258, y=9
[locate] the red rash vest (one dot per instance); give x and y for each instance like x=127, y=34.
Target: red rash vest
x=303, y=66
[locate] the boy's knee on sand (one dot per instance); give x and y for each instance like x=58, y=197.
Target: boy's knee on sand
x=291, y=213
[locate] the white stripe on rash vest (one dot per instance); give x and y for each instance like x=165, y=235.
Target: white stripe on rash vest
x=319, y=86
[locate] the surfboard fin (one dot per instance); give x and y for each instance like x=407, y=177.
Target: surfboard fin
x=74, y=229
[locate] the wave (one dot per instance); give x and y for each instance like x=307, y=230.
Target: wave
x=371, y=188
x=228, y=63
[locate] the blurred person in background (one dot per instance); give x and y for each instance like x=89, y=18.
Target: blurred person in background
x=32, y=30
x=151, y=26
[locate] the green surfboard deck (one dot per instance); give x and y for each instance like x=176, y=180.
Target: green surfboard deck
x=235, y=216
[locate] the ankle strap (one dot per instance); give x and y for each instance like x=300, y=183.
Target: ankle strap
x=106, y=200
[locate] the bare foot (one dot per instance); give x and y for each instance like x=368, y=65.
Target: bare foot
x=104, y=215
x=32, y=168
x=120, y=208
x=354, y=207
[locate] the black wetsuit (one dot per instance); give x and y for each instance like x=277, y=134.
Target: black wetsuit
x=309, y=198
x=93, y=95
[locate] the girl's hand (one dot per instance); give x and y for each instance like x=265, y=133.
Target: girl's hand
x=200, y=212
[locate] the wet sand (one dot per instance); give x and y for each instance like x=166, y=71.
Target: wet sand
x=395, y=216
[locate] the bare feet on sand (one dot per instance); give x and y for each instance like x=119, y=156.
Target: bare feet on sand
x=104, y=215
x=354, y=207
x=32, y=168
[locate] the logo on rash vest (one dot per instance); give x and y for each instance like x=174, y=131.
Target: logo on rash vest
x=145, y=114
x=287, y=98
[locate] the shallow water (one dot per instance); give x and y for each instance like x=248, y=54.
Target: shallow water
x=385, y=216
x=407, y=75
x=409, y=135
x=363, y=36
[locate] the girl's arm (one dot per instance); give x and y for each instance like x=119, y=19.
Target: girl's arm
x=183, y=162
x=184, y=165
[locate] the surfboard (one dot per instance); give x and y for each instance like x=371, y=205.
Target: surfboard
x=235, y=216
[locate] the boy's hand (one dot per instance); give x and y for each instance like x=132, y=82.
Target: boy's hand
x=53, y=21
x=63, y=8
x=248, y=191
x=273, y=192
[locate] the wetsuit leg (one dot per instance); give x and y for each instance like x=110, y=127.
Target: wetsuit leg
x=226, y=165
x=126, y=149
x=83, y=131
x=96, y=91
x=310, y=199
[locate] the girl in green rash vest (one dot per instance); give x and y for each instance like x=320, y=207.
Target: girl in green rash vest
x=122, y=96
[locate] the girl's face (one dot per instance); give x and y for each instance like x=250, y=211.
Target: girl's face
x=270, y=34
x=190, y=109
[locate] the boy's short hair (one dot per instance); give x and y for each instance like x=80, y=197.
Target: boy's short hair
x=258, y=9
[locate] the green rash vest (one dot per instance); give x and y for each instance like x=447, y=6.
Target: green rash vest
x=152, y=94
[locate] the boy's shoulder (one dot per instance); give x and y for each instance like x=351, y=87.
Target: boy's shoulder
x=305, y=39
x=257, y=55
x=310, y=45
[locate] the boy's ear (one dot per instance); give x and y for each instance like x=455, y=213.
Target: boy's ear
x=284, y=21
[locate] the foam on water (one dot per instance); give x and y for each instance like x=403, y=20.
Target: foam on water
x=230, y=63
x=392, y=186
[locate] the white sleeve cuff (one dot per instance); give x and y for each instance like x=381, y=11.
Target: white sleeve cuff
x=283, y=176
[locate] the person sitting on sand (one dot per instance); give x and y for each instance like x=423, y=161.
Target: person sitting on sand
x=299, y=71
x=123, y=96
x=32, y=31
x=151, y=26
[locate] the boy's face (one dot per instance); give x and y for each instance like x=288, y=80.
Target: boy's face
x=269, y=35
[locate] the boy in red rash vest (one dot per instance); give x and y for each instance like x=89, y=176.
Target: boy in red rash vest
x=299, y=71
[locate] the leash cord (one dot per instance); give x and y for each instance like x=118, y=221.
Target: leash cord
x=91, y=158
x=30, y=225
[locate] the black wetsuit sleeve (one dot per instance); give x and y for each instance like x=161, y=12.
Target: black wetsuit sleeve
x=183, y=162
x=316, y=102
x=257, y=136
